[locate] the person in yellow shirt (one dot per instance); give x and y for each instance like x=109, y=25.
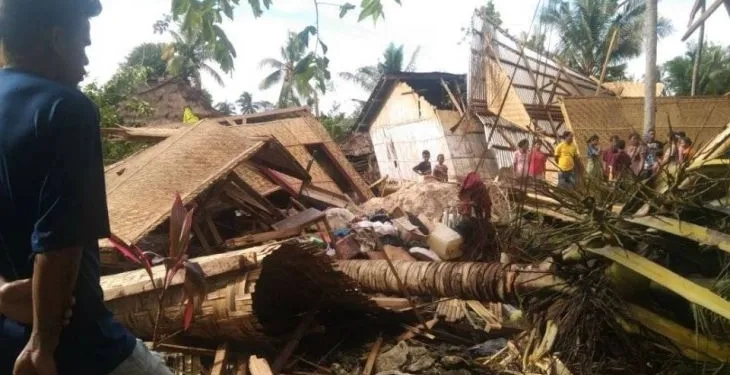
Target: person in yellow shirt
x=566, y=156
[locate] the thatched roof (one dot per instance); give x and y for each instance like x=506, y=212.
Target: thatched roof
x=140, y=189
x=357, y=144
x=629, y=89
x=702, y=118
x=168, y=99
x=296, y=129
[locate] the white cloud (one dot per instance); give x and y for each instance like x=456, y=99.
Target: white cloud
x=435, y=25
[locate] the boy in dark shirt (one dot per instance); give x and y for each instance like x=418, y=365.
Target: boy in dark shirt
x=424, y=168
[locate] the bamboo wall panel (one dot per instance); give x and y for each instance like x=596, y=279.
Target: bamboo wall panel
x=701, y=118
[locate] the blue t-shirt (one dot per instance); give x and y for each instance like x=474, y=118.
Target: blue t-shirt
x=53, y=196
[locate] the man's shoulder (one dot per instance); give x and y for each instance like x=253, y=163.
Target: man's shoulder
x=44, y=96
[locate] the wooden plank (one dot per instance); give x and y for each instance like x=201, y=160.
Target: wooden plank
x=452, y=97
x=219, y=362
x=293, y=342
x=200, y=352
x=300, y=220
x=255, y=195
x=259, y=366
x=701, y=20
x=392, y=303
x=201, y=237
x=257, y=238
x=211, y=225
x=241, y=366
x=398, y=253
x=374, y=351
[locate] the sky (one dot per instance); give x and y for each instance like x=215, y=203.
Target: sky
x=434, y=25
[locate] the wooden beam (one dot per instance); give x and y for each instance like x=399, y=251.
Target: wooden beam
x=255, y=195
x=452, y=97
x=219, y=362
x=201, y=237
x=257, y=238
x=605, y=63
x=704, y=16
x=293, y=342
x=213, y=230
x=241, y=366
x=259, y=366
x=374, y=351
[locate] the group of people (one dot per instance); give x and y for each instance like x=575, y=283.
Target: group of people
x=440, y=172
x=640, y=158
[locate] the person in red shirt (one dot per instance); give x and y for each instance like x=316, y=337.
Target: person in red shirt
x=536, y=162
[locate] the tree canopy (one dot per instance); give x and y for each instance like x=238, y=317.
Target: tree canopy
x=714, y=72
x=585, y=28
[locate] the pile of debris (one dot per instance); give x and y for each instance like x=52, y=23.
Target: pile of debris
x=617, y=279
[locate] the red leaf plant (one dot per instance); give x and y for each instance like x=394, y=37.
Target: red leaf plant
x=194, y=286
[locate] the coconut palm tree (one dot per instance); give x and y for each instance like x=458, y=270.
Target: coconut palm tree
x=300, y=73
x=246, y=104
x=585, y=28
x=713, y=76
x=392, y=62
x=226, y=108
x=188, y=55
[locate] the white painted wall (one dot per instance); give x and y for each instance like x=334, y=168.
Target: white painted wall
x=407, y=124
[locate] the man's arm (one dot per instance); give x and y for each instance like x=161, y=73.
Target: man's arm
x=54, y=279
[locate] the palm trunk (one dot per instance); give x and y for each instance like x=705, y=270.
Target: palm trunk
x=651, y=69
x=698, y=56
x=493, y=282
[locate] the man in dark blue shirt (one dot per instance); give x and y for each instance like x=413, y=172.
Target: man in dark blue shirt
x=53, y=201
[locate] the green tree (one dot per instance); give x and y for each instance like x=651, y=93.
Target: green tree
x=714, y=72
x=204, y=17
x=299, y=72
x=188, y=55
x=337, y=123
x=226, y=108
x=586, y=27
x=246, y=105
x=391, y=62
x=115, y=100
x=148, y=55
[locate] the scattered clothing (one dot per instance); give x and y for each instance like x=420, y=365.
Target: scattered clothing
x=441, y=172
x=423, y=168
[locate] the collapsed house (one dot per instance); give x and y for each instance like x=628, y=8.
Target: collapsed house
x=243, y=173
x=520, y=85
x=408, y=113
x=702, y=118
